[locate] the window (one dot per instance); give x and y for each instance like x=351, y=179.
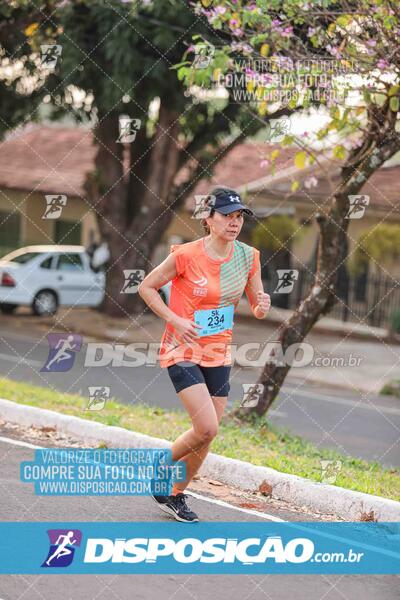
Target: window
x=67, y=232
x=24, y=258
x=46, y=264
x=70, y=262
x=9, y=231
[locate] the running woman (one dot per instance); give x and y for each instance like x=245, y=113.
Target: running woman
x=208, y=278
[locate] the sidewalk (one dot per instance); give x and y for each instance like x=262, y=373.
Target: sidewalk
x=326, y=325
x=91, y=322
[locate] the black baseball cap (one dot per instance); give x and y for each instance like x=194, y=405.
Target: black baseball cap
x=228, y=201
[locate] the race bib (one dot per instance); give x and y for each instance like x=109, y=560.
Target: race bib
x=214, y=320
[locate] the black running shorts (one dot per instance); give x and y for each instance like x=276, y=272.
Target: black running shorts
x=185, y=374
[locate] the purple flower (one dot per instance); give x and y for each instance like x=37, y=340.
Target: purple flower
x=266, y=78
x=246, y=49
x=334, y=50
x=287, y=31
x=284, y=31
x=382, y=64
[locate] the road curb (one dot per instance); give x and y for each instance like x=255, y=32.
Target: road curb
x=299, y=492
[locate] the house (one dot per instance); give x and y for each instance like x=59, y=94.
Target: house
x=38, y=161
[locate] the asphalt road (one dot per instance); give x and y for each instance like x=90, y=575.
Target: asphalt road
x=364, y=426
x=19, y=503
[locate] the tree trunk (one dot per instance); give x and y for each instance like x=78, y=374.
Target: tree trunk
x=108, y=192
x=132, y=212
x=331, y=253
x=148, y=226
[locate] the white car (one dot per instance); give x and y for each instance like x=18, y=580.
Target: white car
x=45, y=277
x=165, y=292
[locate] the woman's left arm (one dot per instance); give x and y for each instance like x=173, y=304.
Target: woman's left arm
x=259, y=301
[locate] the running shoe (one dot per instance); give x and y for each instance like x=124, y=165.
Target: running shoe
x=177, y=507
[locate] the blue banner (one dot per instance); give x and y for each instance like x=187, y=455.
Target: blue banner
x=203, y=547
x=102, y=472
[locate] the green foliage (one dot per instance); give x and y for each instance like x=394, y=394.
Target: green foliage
x=392, y=388
x=395, y=321
x=275, y=233
x=258, y=31
x=381, y=243
x=113, y=51
x=119, y=55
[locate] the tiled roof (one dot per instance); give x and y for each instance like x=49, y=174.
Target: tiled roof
x=243, y=165
x=382, y=188
x=55, y=159
x=47, y=159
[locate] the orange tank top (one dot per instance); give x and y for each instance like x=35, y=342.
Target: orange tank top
x=203, y=283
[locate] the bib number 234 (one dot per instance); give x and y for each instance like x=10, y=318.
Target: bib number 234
x=214, y=320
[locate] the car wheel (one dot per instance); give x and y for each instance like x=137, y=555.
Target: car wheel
x=45, y=303
x=7, y=309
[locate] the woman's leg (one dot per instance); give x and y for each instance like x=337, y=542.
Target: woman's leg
x=196, y=456
x=200, y=408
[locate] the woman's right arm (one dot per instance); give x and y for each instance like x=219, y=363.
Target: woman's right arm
x=148, y=290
